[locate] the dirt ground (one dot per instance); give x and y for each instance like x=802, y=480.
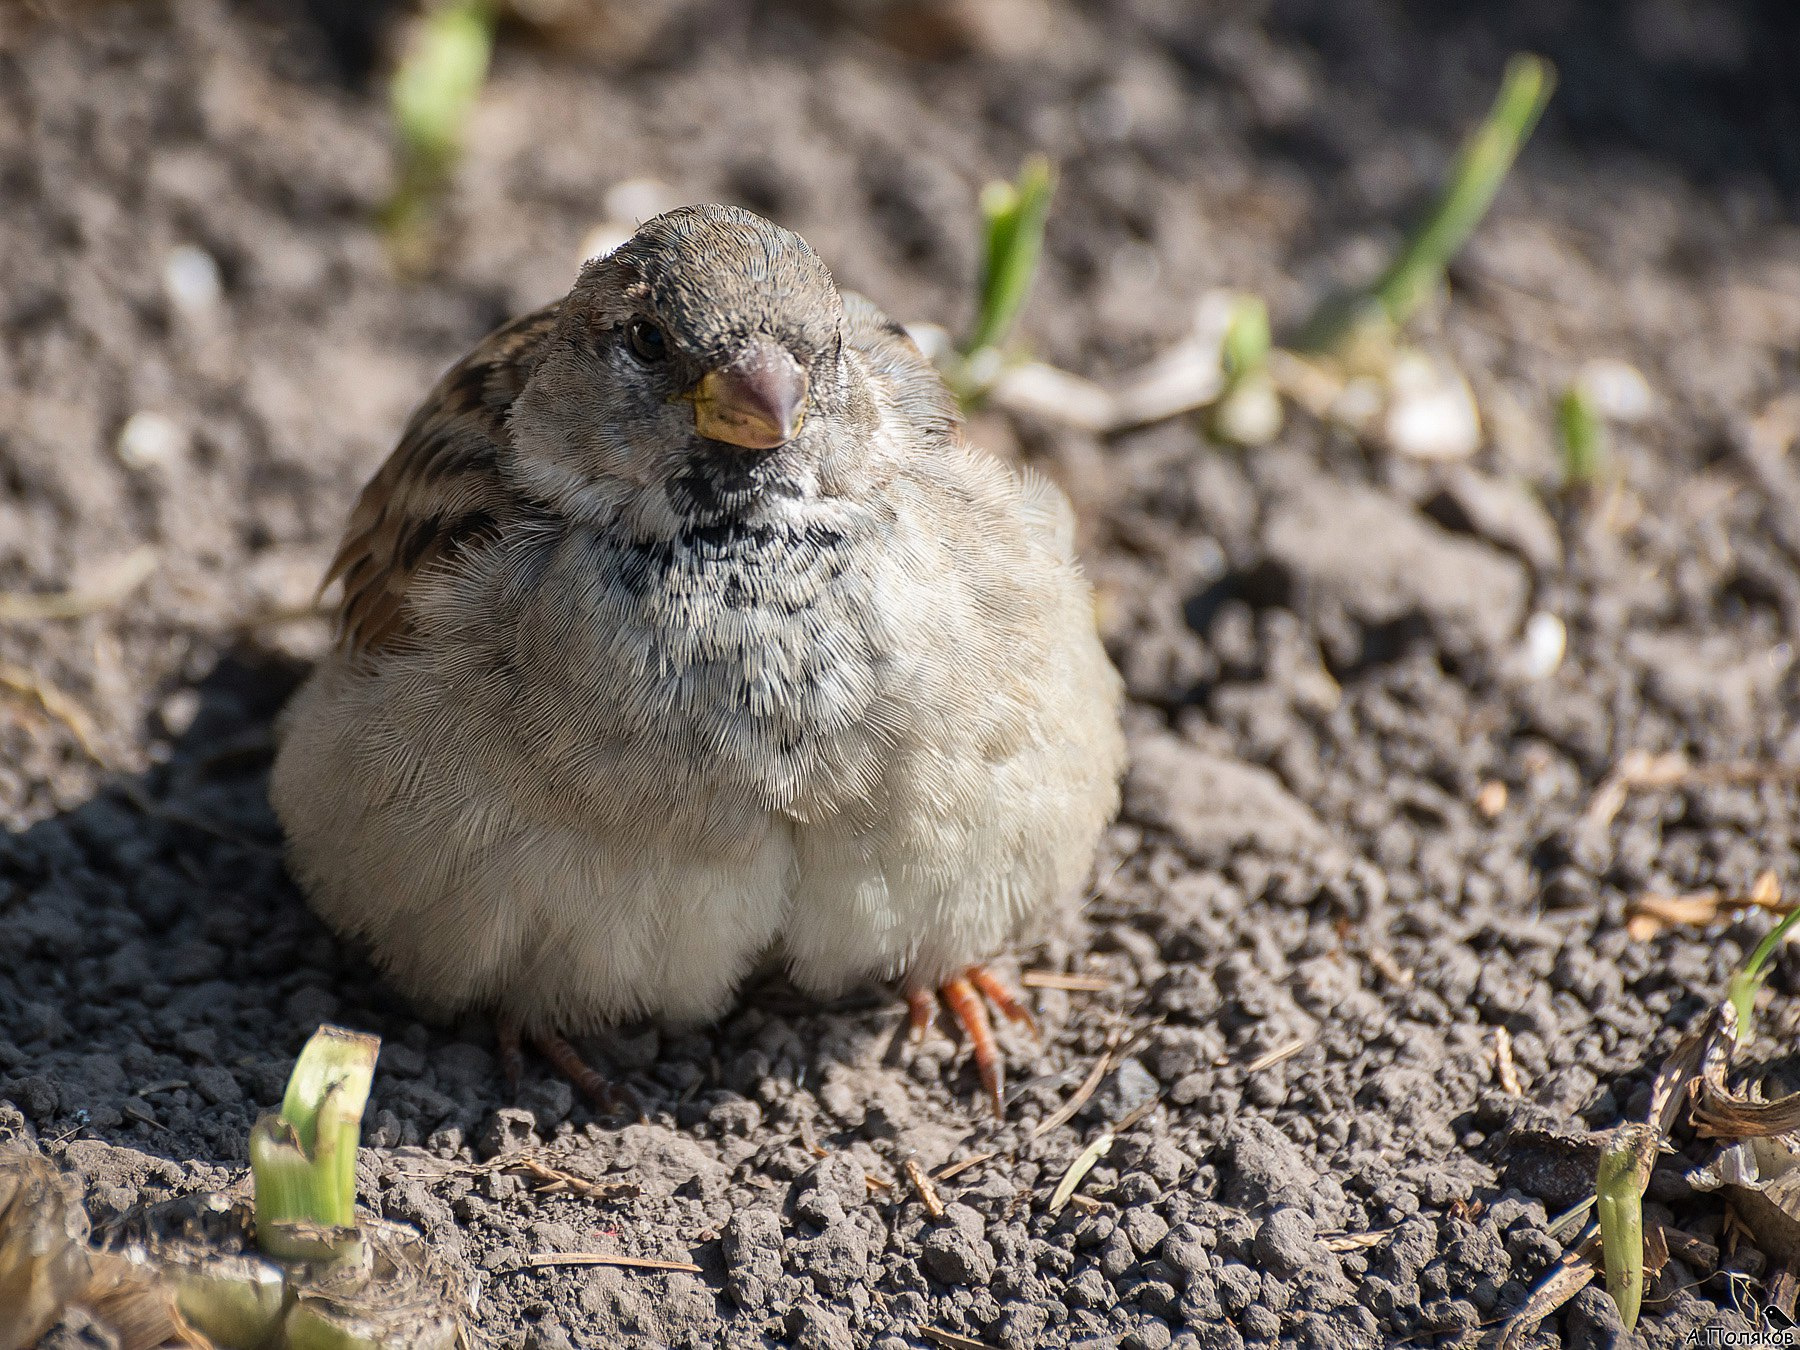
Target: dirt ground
x=1315, y=914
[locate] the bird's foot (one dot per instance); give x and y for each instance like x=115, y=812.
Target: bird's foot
x=565, y=1059
x=962, y=995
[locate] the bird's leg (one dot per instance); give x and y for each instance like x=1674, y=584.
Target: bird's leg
x=963, y=995
x=565, y=1059
x=569, y=1063
x=512, y=1057
x=1004, y=999
x=921, y=1007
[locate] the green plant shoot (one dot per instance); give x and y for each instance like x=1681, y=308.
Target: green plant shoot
x=1475, y=177
x=1619, y=1191
x=1742, y=987
x=1247, y=341
x=303, y=1160
x=1012, y=243
x=1581, y=431
x=434, y=89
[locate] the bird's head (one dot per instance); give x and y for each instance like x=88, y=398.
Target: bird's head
x=699, y=370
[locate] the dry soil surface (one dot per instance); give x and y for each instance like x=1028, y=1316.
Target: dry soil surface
x=1317, y=912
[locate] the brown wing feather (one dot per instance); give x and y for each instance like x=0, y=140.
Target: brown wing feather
x=438, y=490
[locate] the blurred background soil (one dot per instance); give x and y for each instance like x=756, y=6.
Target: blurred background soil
x=1357, y=841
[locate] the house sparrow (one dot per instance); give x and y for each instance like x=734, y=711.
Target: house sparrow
x=683, y=627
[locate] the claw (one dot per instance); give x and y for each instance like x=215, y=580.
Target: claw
x=1004, y=999
x=963, y=995
x=920, y=1009
x=566, y=1060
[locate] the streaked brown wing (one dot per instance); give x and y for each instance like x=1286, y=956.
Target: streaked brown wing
x=438, y=490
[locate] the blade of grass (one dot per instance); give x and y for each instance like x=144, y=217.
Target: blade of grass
x=433, y=91
x=1475, y=177
x=1014, y=216
x=1742, y=987
x=1485, y=160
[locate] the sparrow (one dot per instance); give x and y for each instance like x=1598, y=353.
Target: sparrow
x=684, y=630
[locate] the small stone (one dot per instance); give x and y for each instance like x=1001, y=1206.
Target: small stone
x=829, y=1189
x=401, y=1061
x=1287, y=1243
x=1259, y=1323
x=216, y=1085
x=445, y=1142
x=310, y=1005
x=148, y=440
x=1144, y=1228
x=812, y=1327
x=178, y=711
x=191, y=280
x=549, y=1100
x=1149, y=1336
x=1129, y=1087
x=36, y=1097
x=956, y=1252
x=1617, y=390
x=1546, y=640
x=461, y=1065
x=752, y=1246
x=1431, y=412
x=507, y=1131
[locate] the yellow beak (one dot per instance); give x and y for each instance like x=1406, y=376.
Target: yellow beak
x=757, y=402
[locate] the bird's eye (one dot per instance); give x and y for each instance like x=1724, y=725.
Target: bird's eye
x=647, y=341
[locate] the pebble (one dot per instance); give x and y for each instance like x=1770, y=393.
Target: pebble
x=191, y=280
x=956, y=1251
x=149, y=440
x=508, y=1130
x=1431, y=411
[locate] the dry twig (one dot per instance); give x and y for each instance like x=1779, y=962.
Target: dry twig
x=57, y=704
x=555, y=1181
x=541, y=1260
x=1053, y=979
x=1269, y=1059
x=921, y=1184
x=1648, y=915
x=1640, y=770
x=1093, y=1153
x=1067, y=1110
x=1505, y=1070
x=952, y=1340
x=113, y=584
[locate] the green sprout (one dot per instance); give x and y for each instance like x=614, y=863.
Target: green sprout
x=1624, y=1173
x=1248, y=409
x=1475, y=177
x=1013, y=218
x=1741, y=989
x=434, y=89
x=303, y=1159
x=1582, y=433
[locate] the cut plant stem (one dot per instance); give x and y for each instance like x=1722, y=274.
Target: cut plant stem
x=1480, y=167
x=1619, y=1190
x=303, y=1161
